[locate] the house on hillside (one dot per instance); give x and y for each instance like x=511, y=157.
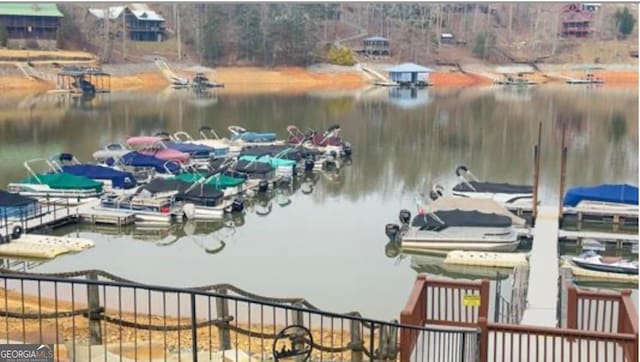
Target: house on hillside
x=142, y=24
x=575, y=21
x=376, y=45
x=31, y=25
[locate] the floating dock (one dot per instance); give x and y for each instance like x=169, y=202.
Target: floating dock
x=543, y=275
x=91, y=212
x=586, y=274
x=487, y=259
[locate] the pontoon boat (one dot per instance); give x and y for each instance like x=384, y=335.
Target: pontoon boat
x=613, y=198
x=111, y=178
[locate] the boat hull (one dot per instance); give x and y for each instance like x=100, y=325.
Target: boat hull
x=604, y=267
x=510, y=201
x=461, y=238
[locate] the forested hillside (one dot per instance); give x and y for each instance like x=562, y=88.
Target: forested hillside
x=299, y=34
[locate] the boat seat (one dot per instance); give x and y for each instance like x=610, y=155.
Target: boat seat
x=611, y=259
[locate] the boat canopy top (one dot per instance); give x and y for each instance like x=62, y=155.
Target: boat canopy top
x=218, y=181
x=8, y=199
x=144, y=140
x=119, y=179
x=487, y=206
x=615, y=193
x=190, y=148
x=492, y=187
x=137, y=159
x=239, y=133
x=64, y=181
x=459, y=218
x=201, y=194
x=253, y=167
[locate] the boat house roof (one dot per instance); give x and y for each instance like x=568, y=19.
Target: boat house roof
x=30, y=9
x=409, y=68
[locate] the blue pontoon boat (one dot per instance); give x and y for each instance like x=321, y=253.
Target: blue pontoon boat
x=605, y=197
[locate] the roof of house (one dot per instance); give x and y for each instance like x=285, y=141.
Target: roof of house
x=147, y=15
x=376, y=38
x=113, y=12
x=30, y=9
x=446, y=35
x=409, y=68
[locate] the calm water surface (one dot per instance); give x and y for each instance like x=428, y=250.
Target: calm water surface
x=328, y=245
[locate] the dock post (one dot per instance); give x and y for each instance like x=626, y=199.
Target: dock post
x=534, y=207
x=483, y=310
x=222, y=311
x=297, y=319
x=563, y=175
x=565, y=278
x=356, y=341
x=95, y=311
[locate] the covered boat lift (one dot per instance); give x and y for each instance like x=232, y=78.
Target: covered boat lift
x=84, y=80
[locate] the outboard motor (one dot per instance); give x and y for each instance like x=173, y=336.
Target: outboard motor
x=404, y=216
x=393, y=232
x=460, y=169
x=237, y=205
x=347, y=149
x=309, y=165
x=263, y=186
x=436, y=192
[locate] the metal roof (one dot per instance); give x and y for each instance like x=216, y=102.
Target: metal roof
x=30, y=9
x=147, y=15
x=409, y=68
x=113, y=12
x=376, y=38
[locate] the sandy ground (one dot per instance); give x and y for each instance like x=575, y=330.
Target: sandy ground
x=250, y=80
x=60, y=331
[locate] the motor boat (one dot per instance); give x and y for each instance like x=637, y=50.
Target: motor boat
x=612, y=198
x=510, y=195
x=154, y=146
x=144, y=167
x=14, y=206
x=593, y=261
x=157, y=208
x=199, y=200
x=308, y=159
x=329, y=142
x=110, y=177
x=218, y=178
x=220, y=148
x=197, y=153
x=245, y=138
x=453, y=230
x=56, y=187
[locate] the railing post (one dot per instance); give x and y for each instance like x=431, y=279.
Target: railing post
x=484, y=339
x=483, y=310
x=222, y=310
x=93, y=299
x=298, y=319
x=572, y=307
x=194, y=329
x=356, y=341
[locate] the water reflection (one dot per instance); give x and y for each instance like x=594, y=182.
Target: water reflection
x=327, y=239
x=408, y=98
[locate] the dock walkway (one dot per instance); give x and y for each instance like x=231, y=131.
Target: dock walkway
x=543, y=275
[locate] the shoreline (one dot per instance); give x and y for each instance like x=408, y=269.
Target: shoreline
x=248, y=80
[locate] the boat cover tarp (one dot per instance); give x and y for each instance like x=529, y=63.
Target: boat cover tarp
x=255, y=136
x=292, y=154
x=194, y=150
x=487, y=206
x=273, y=161
x=15, y=205
x=493, y=187
x=615, y=193
x=119, y=179
x=137, y=159
x=204, y=195
x=254, y=168
x=218, y=181
x=64, y=181
x=460, y=218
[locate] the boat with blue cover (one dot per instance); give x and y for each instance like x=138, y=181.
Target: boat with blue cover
x=198, y=153
x=606, y=197
x=16, y=206
x=110, y=177
x=138, y=160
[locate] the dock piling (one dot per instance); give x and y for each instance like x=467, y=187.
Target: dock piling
x=222, y=310
x=356, y=341
x=93, y=299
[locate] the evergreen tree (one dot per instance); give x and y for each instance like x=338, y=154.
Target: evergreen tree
x=625, y=22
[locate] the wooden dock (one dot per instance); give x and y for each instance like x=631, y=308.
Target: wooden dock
x=543, y=276
x=89, y=212
x=611, y=237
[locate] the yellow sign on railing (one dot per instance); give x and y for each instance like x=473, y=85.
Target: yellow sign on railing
x=471, y=300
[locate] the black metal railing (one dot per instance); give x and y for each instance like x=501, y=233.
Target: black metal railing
x=97, y=319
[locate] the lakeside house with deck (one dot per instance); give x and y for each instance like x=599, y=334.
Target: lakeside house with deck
x=142, y=23
x=31, y=25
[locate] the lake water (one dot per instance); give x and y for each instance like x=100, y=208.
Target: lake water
x=328, y=246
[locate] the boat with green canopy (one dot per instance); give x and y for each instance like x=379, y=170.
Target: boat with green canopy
x=56, y=186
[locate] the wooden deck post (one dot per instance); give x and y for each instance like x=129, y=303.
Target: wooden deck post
x=222, y=311
x=572, y=307
x=483, y=310
x=563, y=174
x=484, y=339
x=93, y=300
